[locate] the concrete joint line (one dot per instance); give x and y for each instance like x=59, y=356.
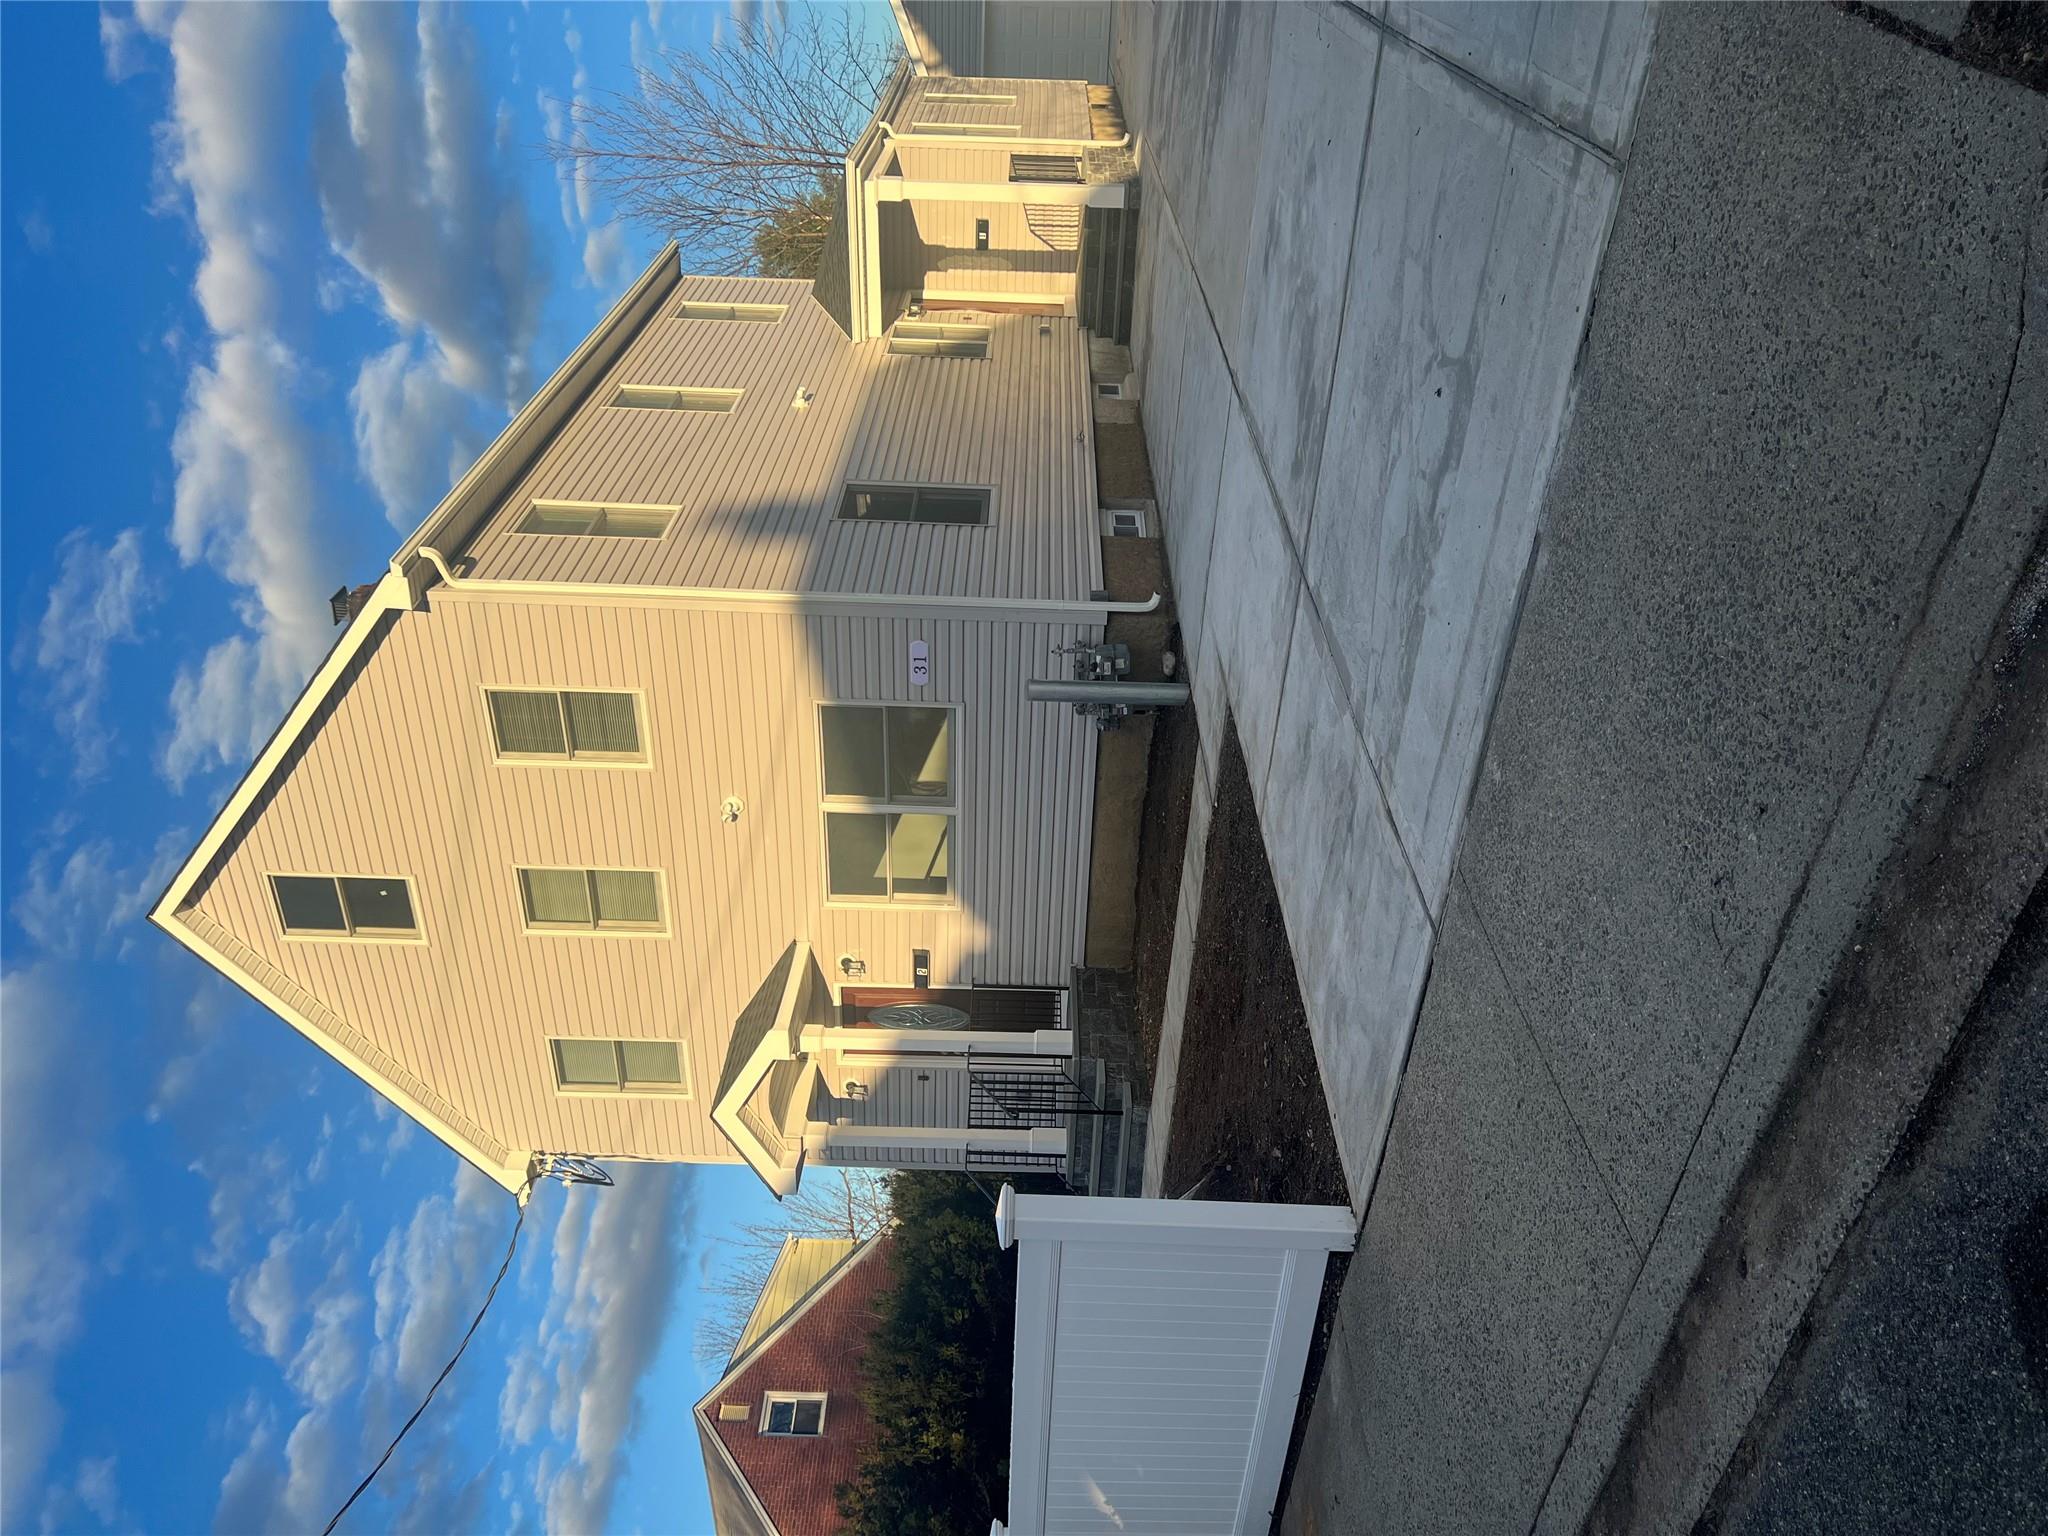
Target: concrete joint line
x=1514, y=104
x=1294, y=554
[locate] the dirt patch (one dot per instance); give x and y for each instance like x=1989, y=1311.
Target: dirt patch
x=1162, y=847
x=1121, y=468
x=1249, y=1118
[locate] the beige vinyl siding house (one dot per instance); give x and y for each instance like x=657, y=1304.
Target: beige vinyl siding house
x=599, y=884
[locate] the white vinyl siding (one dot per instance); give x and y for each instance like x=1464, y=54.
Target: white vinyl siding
x=619, y=1066
x=760, y=487
x=345, y=906
x=402, y=775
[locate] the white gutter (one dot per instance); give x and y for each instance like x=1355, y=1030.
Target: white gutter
x=605, y=594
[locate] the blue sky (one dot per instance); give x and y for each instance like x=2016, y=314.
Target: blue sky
x=268, y=278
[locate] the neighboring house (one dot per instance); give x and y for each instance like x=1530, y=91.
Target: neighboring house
x=687, y=738
x=1045, y=39
x=784, y=1427
x=985, y=194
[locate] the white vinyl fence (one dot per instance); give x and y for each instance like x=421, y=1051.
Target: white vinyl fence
x=1160, y=1346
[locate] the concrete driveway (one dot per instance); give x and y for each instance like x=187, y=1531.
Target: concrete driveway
x=1599, y=474
x=1369, y=239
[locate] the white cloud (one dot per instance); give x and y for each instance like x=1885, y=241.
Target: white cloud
x=604, y=255
x=415, y=429
x=430, y=1276
x=246, y=499
x=249, y=1491
x=620, y=1294
x=99, y=1490
x=331, y=1358
x=120, y=44
x=417, y=199
x=59, y=1175
x=264, y=1299
x=80, y=906
x=96, y=603
x=33, y=1419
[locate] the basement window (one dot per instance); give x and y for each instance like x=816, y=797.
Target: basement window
x=930, y=338
x=619, y=1066
x=344, y=906
x=661, y=397
x=793, y=1413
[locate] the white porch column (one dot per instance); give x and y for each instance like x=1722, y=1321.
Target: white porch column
x=866, y=1039
x=870, y=1138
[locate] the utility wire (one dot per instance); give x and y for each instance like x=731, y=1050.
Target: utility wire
x=510, y=1248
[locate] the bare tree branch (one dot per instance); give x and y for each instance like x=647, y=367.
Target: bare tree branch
x=736, y=150
x=839, y=1202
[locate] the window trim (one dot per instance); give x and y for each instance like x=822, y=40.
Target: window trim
x=690, y=399
x=770, y=1399
x=741, y=313
x=969, y=130
x=669, y=511
x=996, y=96
x=682, y=1090
x=663, y=929
x=853, y=488
x=830, y=805
x=416, y=935
x=1077, y=178
x=503, y=759
x=977, y=340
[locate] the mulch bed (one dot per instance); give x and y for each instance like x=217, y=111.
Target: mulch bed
x=1249, y=1118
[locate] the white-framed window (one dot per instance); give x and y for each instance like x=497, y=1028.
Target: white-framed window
x=932, y=338
x=793, y=1413
x=962, y=505
x=597, y=520
x=619, y=1066
x=887, y=774
x=1123, y=522
x=983, y=96
x=607, y=901
x=345, y=906
x=1039, y=168
x=665, y=397
x=566, y=725
x=767, y=314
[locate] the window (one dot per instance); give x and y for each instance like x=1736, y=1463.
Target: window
x=877, y=757
x=927, y=338
x=597, y=521
x=565, y=725
x=793, y=1413
x=767, y=313
x=1045, y=168
x=1123, y=522
x=914, y=504
x=345, y=906
x=1110, y=391
x=661, y=397
x=591, y=900
x=931, y=95
x=619, y=1066
x=982, y=130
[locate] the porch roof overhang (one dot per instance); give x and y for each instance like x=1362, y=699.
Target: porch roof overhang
x=769, y=1034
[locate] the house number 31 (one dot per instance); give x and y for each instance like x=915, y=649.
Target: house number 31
x=920, y=663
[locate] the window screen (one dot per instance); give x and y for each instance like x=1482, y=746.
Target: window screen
x=594, y=899
x=372, y=906
x=577, y=724
x=619, y=1066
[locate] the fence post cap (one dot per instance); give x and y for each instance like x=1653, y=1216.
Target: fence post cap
x=1006, y=1217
